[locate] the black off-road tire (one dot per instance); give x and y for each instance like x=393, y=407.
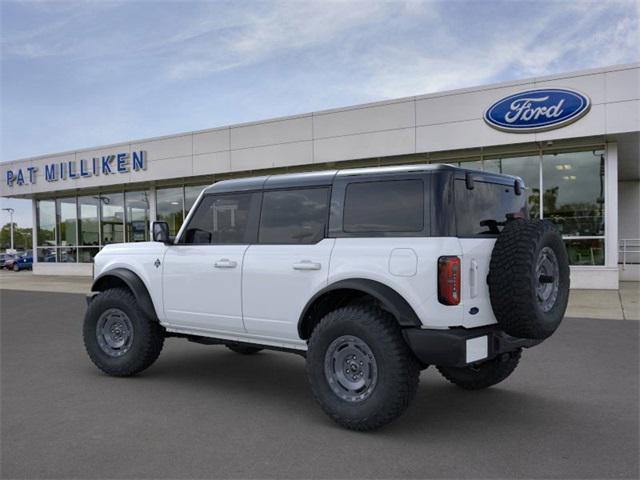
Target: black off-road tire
x=513, y=281
x=243, y=349
x=398, y=370
x=483, y=375
x=147, y=340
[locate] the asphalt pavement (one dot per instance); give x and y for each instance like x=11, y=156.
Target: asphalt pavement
x=570, y=410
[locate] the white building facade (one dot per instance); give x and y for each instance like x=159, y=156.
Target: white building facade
x=574, y=138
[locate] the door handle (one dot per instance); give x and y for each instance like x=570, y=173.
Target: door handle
x=225, y=263
x=307, y=265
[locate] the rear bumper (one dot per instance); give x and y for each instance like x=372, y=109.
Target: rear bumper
x=458, y=347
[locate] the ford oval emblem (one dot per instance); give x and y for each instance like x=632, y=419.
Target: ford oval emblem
x=537, y=110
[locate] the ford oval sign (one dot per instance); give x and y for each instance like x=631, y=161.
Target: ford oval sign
x=537, y=110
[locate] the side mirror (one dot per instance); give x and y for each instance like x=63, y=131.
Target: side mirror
x=160, y=232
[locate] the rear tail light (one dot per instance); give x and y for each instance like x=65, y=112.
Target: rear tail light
x=449, y=280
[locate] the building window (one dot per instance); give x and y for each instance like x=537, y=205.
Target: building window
x=88, y=228
x=573, y=186
x=137, y=216
x=67, y=229
x=46, y=230
x=170, y=207
x=112, y=218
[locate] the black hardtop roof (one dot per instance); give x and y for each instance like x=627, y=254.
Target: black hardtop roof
x=327, y=177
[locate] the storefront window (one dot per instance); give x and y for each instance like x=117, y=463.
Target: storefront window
x=137, y=216
x=88, y=220
x=46, y=218
x=112, y=223
x=585, y=252
x=574, y=192
x=67, y=228
x=169, y=207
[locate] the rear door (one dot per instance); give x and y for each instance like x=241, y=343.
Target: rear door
x=289, y=263
x=480, y=215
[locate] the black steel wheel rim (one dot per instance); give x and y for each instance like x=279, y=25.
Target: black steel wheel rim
x=350, y=368
x=114, y=332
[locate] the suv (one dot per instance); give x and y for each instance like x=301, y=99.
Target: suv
x=371, y=274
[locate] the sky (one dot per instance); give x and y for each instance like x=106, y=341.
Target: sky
x=86, y=73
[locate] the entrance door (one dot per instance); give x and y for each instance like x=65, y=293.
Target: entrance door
x=289, y=263
x=202, y=273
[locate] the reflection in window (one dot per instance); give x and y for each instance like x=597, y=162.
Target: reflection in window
x=66, y=221
x=585, y=252
x=574, y=192
x=169, y=207
x=88, y=220
x=46, y=222
x=46, y=255
x=137, y=216
x=112, y=218
x=86, y=254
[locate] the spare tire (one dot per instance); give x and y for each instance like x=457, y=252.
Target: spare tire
x=529, y=278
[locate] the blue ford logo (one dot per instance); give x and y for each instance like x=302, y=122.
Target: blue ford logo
x=537, y=110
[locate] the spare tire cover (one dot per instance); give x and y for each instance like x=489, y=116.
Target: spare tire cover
x=529, y=278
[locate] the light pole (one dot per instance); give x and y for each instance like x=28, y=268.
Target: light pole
x=11, y=212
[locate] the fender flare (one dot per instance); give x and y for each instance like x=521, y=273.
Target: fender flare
x=133, y=282
x=392, y=301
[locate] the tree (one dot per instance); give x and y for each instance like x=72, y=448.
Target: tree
x=22, y=237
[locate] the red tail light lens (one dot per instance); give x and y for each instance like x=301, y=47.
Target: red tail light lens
x=449, y=280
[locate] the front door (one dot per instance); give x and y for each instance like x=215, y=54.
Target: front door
x=202, y=273
x=289, y=263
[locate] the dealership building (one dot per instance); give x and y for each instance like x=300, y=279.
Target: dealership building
x=574, y=138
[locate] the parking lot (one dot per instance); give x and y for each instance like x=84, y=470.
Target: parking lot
x=569, y=411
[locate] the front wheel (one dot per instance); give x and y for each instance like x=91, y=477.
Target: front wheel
x=119, y=338
x=16, y=268
x=483, y=375
x=360, y=369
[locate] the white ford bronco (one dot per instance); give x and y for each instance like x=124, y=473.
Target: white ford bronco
x=371, y=274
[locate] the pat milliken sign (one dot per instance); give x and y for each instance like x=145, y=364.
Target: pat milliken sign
x=537, y=110
x=117, y=163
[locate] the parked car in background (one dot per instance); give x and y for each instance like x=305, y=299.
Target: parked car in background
x=7, y=260
x=23, y=262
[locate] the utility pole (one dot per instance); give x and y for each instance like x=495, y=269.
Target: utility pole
x=11, y=212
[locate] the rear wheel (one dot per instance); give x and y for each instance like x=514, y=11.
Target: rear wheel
x=483, y=375
x=243, y=349
x=360, y=369
x=118, y=337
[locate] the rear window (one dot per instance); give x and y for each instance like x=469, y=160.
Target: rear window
x=483, y=210
x=385, y=206
x=294, y=216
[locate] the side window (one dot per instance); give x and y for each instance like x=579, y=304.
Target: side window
x=294, y=216
x=384, y=206
x=483, y=210
x=221, y=219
